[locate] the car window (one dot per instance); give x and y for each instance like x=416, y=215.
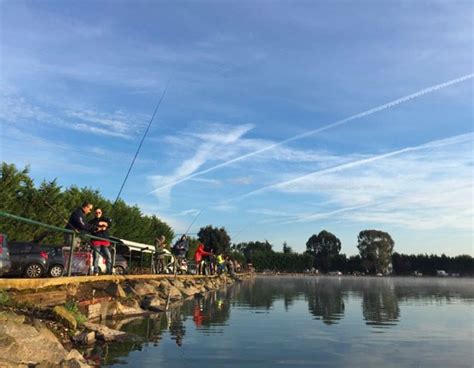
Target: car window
x=19, y=248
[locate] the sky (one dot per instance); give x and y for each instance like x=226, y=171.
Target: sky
x=279, y=118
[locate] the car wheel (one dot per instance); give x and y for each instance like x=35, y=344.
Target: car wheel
x=33, y=270
x=56, y=271
x=119, y=270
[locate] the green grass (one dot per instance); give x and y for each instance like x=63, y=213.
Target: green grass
x=4, y=298
x=73, y=308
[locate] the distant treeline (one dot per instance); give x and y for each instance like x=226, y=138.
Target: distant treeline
x=262, y=257
x=52, y=205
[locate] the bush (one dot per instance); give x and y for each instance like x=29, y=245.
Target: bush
x=4, y=298
x=73, y=308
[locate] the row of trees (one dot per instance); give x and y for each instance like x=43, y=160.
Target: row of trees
x=51, y=204
x=323, y=253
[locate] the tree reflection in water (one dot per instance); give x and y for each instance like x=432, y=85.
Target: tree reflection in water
x=380, y=304
x=326, y=298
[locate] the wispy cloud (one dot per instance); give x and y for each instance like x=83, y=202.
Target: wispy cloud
x=298, y=183
x=424, y=187
x=363, y=114
x=18, y=110
x=206, y=147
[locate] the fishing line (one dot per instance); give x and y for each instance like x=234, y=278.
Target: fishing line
x=140, y=146
x=195, y=218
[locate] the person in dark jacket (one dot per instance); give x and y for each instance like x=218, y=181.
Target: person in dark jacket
x=78, y=223
x=181, y=247
x=100, y=228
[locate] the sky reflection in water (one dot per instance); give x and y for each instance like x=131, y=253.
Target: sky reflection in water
x=306, y=322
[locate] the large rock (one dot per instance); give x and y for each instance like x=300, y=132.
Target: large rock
x=22, y=345
x=129, y=309
x=143, y=289
x=74, y=359
x=65, y=317
x=115, y=290
x=84, y=338
x=189, y=283
x=174, y=293
x=165, y=282
x=94, y=311
x=177, y=283
x=106, y=309
x=189, y=291
x=154, y=283
x=154, y=303
x=10, y=316
x=104, y=333
x=42, y=298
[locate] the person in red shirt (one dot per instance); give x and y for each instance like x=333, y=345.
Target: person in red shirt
x=198, y=255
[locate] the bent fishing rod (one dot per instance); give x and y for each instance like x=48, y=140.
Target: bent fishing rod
x=140, y=145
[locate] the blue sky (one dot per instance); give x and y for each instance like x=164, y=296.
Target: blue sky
x=280, y=118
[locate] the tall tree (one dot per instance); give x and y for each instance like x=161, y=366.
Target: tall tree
x=324, y=247
x=375, y=248
x=214, y=238
x=323, y=244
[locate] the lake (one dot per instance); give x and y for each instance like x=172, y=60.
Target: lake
x=308, y=321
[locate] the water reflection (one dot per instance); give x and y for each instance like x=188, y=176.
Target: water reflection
x=148, y=330
x=210, y=312
x=326, y=301
x=380, y=305
x=376, y=303
x=176, y=326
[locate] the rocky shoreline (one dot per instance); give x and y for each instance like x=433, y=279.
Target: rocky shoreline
x=45, y=327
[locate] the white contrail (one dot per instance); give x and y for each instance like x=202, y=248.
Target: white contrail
x=324, y=128
x=433, y=144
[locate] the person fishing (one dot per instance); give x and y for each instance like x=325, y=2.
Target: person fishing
x=180, y=248
x=160, y=246
x=220, y=264
x=100, y=228
x=198, y=258
x=78, y=223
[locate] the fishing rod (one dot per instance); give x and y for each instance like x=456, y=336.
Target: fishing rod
x=180, y=234
x=60, y=216
x=240, y=231
x=140, y=145
x=195, y=218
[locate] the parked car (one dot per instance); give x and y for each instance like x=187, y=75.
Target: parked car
x=27, y=259
x=82, y=263
x=120, y=268
x=5, y=263
x=56, y=261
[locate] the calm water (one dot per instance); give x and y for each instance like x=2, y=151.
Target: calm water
x=308, y=322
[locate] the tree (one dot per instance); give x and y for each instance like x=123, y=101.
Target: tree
x=215, y=239
x=286, y=248
x=324, y=247
x=375, y=248
x=51, y=205
x=250, y=249
x=323, y=244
